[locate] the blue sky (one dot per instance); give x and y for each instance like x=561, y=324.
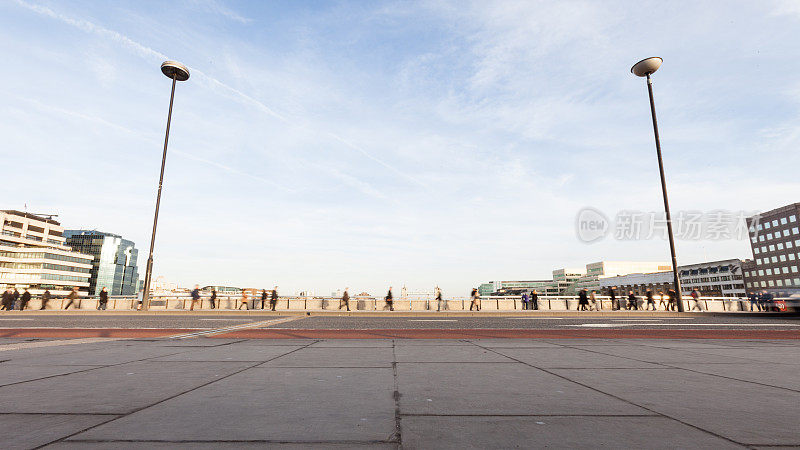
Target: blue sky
x=319, y=145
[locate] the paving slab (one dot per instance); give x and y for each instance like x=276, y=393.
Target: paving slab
x=777, y=355
x=281, y=404
x=273, y=342
x=335, y=357
x=492, y=388
x=513, y=343
x=89, y=354
x=780, y=375
x=114, y=445
x=665, y=355
x=553, y=432
x=23, y=431
x=433, y=342
x=193, y=342
x=438, y=354
x=385, y=343
x=232, y=352
x=111, y=390
x=16, y=373
x=569, y=357
x=742, y=411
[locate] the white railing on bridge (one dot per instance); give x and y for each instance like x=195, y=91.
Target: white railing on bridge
x=183, y=301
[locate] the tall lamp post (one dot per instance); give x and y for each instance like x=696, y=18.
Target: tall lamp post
x=177, y=72
x=645, y=68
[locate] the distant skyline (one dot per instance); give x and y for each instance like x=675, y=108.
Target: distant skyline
x=320, y=145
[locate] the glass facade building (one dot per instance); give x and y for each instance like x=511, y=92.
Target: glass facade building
x=114, y=263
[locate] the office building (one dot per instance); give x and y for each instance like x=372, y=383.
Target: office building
x=34, y=256
x=723, y=278
x=775, y=242
x=114, y=263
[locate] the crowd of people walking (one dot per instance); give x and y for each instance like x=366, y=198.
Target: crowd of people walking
x=530, y=300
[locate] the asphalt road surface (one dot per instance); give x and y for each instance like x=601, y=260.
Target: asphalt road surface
x=261, y=324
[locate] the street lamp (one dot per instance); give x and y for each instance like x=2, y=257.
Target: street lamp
x=177, y=72
x=645, y=68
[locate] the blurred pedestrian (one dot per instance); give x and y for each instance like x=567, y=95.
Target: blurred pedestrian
x=661, y=300
x=593, y=302
x=195, y=296
x=649, y=297
x=633, y=302
x=696, y=297
x=26, y=297
x=72, y=297
x=263, y=298
x=673, y=299
x=753, y=297
x=345, y=301
x=389, y=299
x=476, y=300
x=439, y=302
x=273, y=299
x=213, y=298
x=8, y=298
x=583, y=300
x=245, y=301
x=16, y=298
x=524, y=301
x=534, y=299
x=102, y=304
x=45, y=299
x=613, y=294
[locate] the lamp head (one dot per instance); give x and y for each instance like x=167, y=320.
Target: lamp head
x=646, y=66
x=176, y=69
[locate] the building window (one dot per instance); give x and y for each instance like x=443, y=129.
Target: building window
x=792, y=218
x=769, y=236
x=764, y=249
x=763, y=284
x=780, y=282
x=761, y=238
x=780, y=246
x=783, y=220
x=774, y=259
x=769, y=271
x=761, y=273
x=775, y=223
x=766, y=225
x=788, y=244
x=797, y=281
x=785, y=270
x=771, y=248
x=794, y=269
x=791, y=256
x=756, y=250
x=785, y=233
x=783, y=258
x=770, y=283
x=795, y=230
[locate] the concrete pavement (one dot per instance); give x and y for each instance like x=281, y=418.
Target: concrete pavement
x=399, y=393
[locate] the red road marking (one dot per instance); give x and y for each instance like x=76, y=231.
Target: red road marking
x=266, y=333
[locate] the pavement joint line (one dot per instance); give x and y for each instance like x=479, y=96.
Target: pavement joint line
x=231, y=441
x=222, y=330
x=96, y=367
x=528, y=415
x=398, y=424
x=563, y=377
x=55, y=343
x=134, y=411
